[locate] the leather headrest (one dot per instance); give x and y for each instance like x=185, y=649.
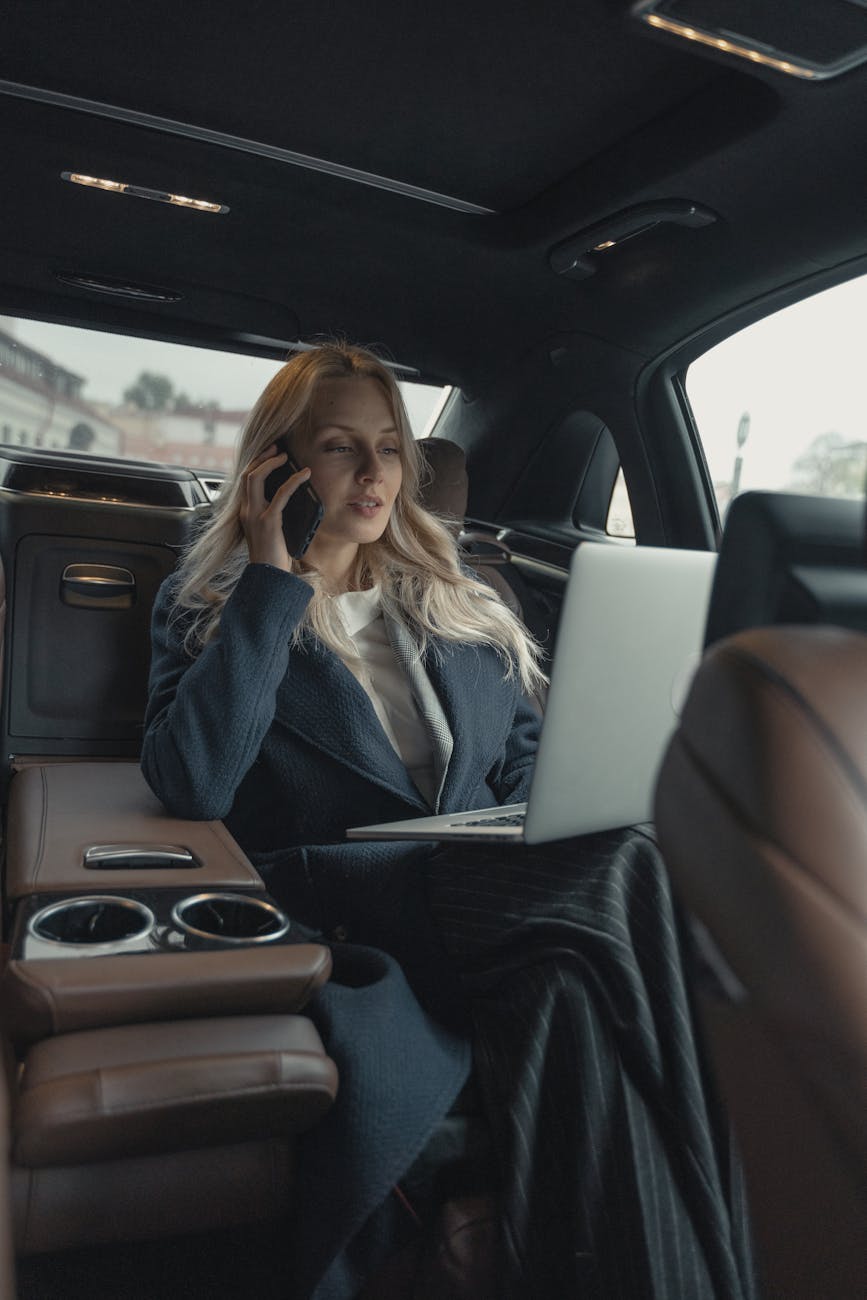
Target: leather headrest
x=445, y=486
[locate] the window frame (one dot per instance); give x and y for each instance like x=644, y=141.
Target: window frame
x=670, y=431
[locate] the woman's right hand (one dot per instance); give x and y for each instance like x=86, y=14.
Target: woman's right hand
x=261, y=520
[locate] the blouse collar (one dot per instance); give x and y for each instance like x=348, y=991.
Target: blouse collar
x=358, y=608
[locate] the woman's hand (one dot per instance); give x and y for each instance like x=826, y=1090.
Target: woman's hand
x=261, y=520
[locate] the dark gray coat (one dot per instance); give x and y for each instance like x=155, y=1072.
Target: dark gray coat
x=283, y=744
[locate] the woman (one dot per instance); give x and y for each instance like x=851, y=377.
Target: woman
x=369, y=680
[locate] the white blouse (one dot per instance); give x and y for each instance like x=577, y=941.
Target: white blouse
x=387, y=686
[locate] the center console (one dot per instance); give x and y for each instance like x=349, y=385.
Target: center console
x=152, y=994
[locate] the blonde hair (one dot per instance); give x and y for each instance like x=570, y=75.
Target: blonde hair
x=416, y=561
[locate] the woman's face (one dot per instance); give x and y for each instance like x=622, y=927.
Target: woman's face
x=355, y=462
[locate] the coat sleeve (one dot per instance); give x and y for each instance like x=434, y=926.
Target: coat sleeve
x=510, y=780
x=207, y=716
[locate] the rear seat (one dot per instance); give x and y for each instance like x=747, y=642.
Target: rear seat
x=143, y=1131
x=84, y=1173
x=445, y=492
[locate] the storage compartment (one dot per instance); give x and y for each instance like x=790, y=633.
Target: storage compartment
x=84, y=546
x=79, y=662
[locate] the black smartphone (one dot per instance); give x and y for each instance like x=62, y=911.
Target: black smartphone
x=302, y=513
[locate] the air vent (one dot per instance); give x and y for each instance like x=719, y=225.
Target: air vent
x=117, y=288
x=212, y=487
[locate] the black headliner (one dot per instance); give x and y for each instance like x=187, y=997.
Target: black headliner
x=555, y=117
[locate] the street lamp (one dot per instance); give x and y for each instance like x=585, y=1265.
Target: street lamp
x=742, y=434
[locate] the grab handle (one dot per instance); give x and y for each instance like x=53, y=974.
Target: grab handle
x=137, y=857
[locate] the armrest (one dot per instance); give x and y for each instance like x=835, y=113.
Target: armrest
x=142, y=1090
x=58, y=811
x=41, y=998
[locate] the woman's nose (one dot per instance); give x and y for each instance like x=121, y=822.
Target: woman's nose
x=369, y=468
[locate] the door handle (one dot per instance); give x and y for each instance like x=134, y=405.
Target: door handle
x=97, y=586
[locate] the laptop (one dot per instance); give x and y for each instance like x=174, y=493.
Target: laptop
x=629, y=640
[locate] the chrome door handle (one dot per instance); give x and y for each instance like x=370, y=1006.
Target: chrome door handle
x=97, y=586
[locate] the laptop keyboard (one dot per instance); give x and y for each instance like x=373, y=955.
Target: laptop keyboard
x=506, y=819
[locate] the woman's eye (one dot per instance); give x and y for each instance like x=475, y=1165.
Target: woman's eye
x=390, y=451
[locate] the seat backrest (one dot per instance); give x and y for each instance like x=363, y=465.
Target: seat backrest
x=761, y=810
x=445, y=489
x=84, y=545
x=8, y=1071
x=787, y=558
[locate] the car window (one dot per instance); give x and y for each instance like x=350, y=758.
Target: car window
x=781, y=405
x=619, y=522
x=110, y=395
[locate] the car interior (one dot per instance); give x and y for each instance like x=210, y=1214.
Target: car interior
x=569, y=230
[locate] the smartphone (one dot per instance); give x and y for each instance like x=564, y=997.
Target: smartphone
x=302, y=513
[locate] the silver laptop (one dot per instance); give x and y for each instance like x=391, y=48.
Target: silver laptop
x=629, y=640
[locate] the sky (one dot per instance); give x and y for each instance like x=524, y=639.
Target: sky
x=799, y=373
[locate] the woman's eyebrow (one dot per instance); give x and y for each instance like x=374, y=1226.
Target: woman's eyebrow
x=350, y=428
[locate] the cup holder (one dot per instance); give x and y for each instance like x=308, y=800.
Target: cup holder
x=96, y=919
x=230, y=918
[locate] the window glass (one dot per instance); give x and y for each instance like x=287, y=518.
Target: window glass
x=620, y=511
x=781, y=405
x=109, y=395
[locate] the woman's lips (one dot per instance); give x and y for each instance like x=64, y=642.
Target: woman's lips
x=367, y=507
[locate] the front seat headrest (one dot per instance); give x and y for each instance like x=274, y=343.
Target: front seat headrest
x=786, y=558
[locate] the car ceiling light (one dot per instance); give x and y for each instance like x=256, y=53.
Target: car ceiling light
x=258, y=148
x=142, y=192
x=575, y=256
x=812, y=42
x=730, y=47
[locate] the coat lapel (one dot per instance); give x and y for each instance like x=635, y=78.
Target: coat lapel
x=431, y=711
x=478, y=706
x=321, y=701
x=458, y=691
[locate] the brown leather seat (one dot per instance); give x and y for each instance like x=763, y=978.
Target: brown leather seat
x=142, y=1131
x=159, y=1090
x=7, y=1248
x=762, y=816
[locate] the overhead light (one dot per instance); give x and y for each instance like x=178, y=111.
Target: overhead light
x=574, y=256
x=810, y=41
x=142, y=192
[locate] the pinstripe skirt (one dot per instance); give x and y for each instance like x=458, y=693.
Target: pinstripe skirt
x=616, y=1176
